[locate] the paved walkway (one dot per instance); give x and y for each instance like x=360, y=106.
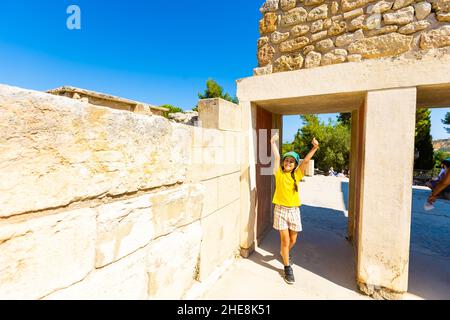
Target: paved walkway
x=324, y=260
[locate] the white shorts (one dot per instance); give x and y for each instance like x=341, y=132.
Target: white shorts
x=285, y=218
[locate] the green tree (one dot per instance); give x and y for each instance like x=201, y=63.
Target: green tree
x=334, y=140
x=446, y=120
x=214, y=90
x=172, y=109
x=423, y=142
x=345, y=118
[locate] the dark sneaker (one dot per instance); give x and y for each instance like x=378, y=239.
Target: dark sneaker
x=289, y=275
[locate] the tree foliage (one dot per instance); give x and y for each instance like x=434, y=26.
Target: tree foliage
x=424, y=142
x=172, y=109
x=334, y=142
x=345, y=118
x=446, y=120
x=214, y=90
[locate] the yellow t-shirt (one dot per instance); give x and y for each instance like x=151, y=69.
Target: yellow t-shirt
x=285, y=195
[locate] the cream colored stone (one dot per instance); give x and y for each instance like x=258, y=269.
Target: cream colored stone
x=317, y=13
x=334, y=7
x=348, y=5
x=435, y=38
x=125, y=279
x=441, y=5
x=398, y=4
x=353, y=14
x=172, y=209
x=265, y=55
x=337, y=28
x=262, y=70
x=328, y=22
x=294, y=17
x=269, y=6
x=354, y=57
x=381, y=46
x=308, y=49
x=230, y=183
x=43, y=254
x=337, y=18
x=348, y=38
x=268, y=24
x=312, y=2
x=220, y=240
x=294, y=44
x=278, y=37
x=414, y=27
x=299, y=30
x=219, y=114
x=324, y=45
x=319, y=36
x=122, y=228
x=356, y=23
x=172, y=261
x=211, y=199
x=380, y=7
x=312, y=59
x=402, y=16
x=288, y=63
x=317, y=26
x=373, y=22
x=422, y=10
x=443, y=16
x=382, y=30
x=288, y=4
x=333, y=57
x=61, y=150
x=384, y=250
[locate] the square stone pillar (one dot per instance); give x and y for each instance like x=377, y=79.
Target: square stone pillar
x=386, y=192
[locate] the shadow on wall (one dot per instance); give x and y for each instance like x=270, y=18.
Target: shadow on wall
x=344, y=189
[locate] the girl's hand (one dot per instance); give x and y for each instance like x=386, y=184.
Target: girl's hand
x=274, y=138
x=315, y=143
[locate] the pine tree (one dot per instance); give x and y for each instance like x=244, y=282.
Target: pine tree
x=423, y=142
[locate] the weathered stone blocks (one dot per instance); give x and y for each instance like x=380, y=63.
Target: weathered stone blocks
x=288, y=63
x=293, y=17
x=435, y=38
x=381, y=46
x=294, y=44
x=268, y=24
x=265, y=55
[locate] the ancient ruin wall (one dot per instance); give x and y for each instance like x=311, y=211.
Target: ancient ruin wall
x=98, y=203
x=298, y=34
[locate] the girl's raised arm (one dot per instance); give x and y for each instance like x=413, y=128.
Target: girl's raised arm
x=308, y=157
x=276, y=153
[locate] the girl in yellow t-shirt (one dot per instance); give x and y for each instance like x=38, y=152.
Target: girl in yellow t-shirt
x=287, y=220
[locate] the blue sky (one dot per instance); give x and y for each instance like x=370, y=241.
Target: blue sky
x=155, y=51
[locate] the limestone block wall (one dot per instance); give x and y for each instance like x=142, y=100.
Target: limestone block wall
x=298, y=34
x=97, y=203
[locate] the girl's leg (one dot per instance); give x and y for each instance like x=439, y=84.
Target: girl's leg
x=292, y=238
x=285, y=242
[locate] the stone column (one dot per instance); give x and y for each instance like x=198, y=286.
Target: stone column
x=248, y=178
x=353, y=185
x=386, y=194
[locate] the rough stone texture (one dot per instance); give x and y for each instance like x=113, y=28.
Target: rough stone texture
x=294, y=44
x=348, y=38
x=288, y=4
x=278, y=37
x=269, y=6
x=263, y=41
x=382, y=30
x=348, y=5
x=324, y=45
x=373, y=22
x=337, y=28
x=43, y=254
x=381, y=46
x=357, y=23
x=293, y=17
x=312, y=59
x=188, y=117
x=123, y=280
x=379, y=7
x=443, y=17
x=169, y=274
x=265, y=55
x=441, y=5
x=401, y=3
x=353, y=14
x=318, y=36
x=263, y=70
x=354, y=57
x=334, y=7
x=299, y=30
x=313, y=2
x=317, y=26
x=58, y=150
x=402, y=16
x=422, y=9
x=308, y=49
x=335, y=56
x=435, y=38
x=317, y=13
x=268, y=24
x=414, y=27
x=288, y=63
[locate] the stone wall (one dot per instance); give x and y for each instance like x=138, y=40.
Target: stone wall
x=98, y=203
x=298, y=34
